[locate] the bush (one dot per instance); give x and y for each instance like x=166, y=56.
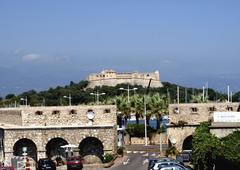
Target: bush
x=108, y=157
x=120, y=151
x=138, y=130
x=172, y=151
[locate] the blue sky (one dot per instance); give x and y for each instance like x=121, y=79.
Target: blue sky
x=48, y=43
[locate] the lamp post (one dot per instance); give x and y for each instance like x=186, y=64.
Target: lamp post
x=97, y=94
x=128, y=90
x=145, y=110
x=69, y=99
x=24, y=99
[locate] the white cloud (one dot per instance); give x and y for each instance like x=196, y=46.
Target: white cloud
x=31, y=57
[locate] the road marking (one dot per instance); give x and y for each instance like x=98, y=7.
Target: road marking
x=145, y=161
x=135, y=151
x=126, y=162
x=153, y=154
x=142, y=152
x=146, y=154
x=129, y=151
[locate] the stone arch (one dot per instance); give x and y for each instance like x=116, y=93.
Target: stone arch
x=54, y=150
x=187, y=143
x=31, y=148
x=91, y=146
x=169, y=143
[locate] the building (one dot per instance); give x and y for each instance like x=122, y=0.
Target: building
x=185, y=117
x=112, y=78
x=43, y=130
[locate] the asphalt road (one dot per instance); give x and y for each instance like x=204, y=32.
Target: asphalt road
x=133, y=161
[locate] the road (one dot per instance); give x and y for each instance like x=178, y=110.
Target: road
x=133, y=161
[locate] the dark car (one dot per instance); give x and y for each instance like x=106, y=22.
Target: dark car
x=185, y=156
x=151, y=163
x=74, y=162
x=45, y=163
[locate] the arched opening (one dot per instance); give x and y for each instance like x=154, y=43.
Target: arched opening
x=25, y=146
x=54, y=150
x=187, y=143
x=91, y=146
x=169, y=143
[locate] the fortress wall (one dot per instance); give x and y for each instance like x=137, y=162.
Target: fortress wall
x=203, y=112
x=104, y=114
x=11, y=116
x=114, y=82
x=112, y=78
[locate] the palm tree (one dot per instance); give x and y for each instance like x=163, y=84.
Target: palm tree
x=158, y=106
x=137, y=107
x=123, y=106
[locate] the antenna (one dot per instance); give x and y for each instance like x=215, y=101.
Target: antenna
x=177, y=94
x=228, y=88
x=203, y=92
x=186, y=97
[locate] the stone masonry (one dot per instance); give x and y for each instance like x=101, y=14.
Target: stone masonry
x=193, y=114
x=70, y=123
x=112, y=78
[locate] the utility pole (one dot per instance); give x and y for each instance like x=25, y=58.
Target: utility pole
x=145, y=111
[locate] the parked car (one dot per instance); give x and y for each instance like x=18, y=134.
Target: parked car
x=74, y=162
x=185, y=156
x=171, y=164
x=173, y=167
x=44, y=164
x=152, y=162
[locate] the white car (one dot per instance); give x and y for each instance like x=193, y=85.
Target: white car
x=168, y=166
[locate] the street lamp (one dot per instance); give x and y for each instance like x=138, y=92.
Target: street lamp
x=69, y=99
x=97, y=94
x=145, y=111
x=128, y=90
x=24, y=99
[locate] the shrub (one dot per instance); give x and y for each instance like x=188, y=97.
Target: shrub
x=120, y=150
x=172, y=151
x=138, y=130
x=108, y=157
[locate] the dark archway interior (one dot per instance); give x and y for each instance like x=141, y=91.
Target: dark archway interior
x=169, y=143
x=91, y=146
x=187, y=143
x=53, y=148
x=29, y=144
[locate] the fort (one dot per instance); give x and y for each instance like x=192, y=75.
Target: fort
x=112, y=78
x=43, y=130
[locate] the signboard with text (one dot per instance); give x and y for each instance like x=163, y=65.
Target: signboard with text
x=226, y=116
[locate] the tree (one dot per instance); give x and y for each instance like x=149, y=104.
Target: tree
x=137, y=107
x=206, y=148
x=10, y=96
x=123, y=106
x=158, y=107
x=231, y=147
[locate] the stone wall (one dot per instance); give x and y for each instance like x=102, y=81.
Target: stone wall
x=112, y=78
x=11, y=116
x=71, y=123
x=177, y=135
x=74, y=135
x=194, y=113
x=57, y=116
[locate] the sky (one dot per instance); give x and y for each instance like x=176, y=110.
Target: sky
x=46, y=43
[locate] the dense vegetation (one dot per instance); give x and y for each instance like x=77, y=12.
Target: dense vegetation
x=209, y=151
x=81, y=94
